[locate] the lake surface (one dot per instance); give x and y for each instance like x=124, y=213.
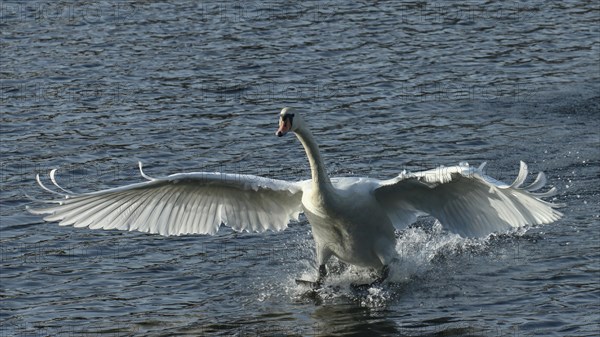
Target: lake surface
x=91, y=88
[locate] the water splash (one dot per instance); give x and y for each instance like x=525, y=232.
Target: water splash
x=420, y=249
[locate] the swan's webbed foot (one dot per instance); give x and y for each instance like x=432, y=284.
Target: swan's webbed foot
x=337, y=269
x=319, y=282
x=310, y=284
x=385, y=273
x=322, y=274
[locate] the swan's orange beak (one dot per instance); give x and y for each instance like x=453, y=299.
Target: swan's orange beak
x=284, y=126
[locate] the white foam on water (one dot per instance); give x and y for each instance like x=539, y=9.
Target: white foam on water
x=418, y=248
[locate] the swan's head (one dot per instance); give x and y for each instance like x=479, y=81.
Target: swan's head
x=288, y=121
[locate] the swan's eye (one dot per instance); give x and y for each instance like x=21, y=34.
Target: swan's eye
x=288, y=118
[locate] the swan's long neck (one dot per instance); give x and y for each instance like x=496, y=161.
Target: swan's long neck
x=317, y=167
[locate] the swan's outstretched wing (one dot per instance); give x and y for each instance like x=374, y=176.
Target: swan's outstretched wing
x=188, y=203
x=466, y=201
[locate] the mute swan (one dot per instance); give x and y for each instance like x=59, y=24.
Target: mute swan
x=352, y=218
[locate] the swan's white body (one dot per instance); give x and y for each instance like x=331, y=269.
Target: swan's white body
x=352, y=218
x=350, y=224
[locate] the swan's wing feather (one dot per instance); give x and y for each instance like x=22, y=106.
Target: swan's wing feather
x=187, y=203
x=466, y=201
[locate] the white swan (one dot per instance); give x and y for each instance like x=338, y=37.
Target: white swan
x=352, y=218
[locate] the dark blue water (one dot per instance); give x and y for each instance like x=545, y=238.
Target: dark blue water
x=91, y=88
